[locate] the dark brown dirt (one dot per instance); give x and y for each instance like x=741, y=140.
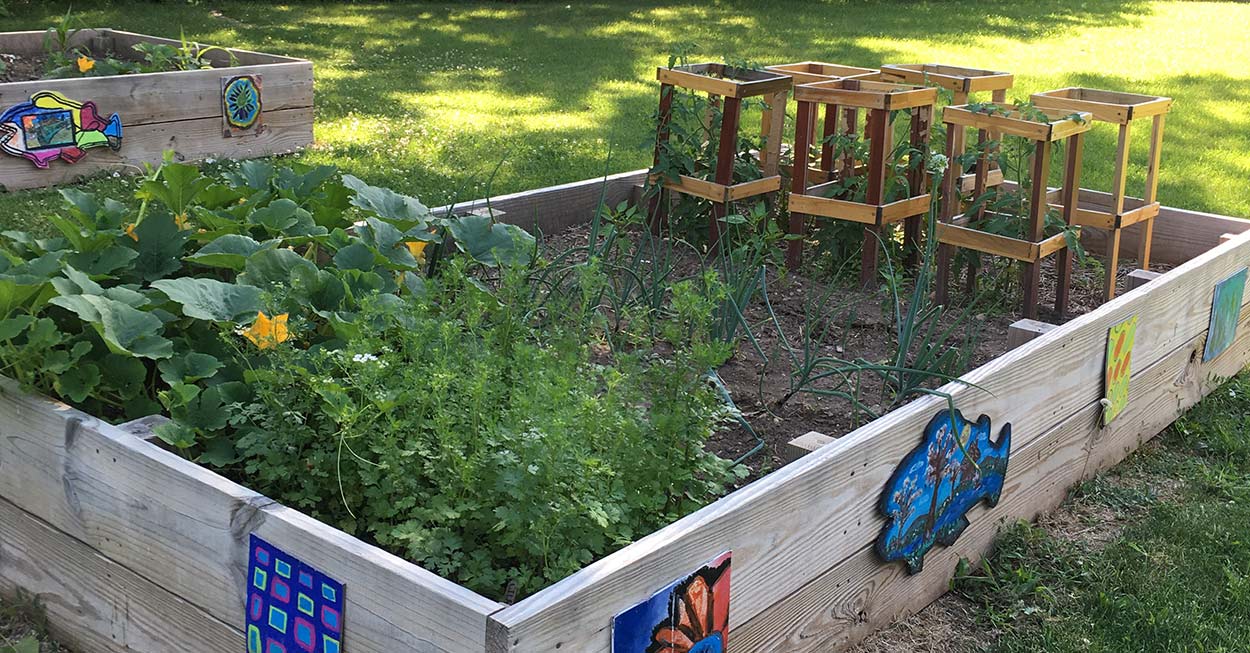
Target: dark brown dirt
x=853, y=324
x=18, y=68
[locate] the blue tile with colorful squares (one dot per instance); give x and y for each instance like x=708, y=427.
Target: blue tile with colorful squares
x=291, y=607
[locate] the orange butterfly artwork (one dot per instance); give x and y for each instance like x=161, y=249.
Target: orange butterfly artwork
x=689, y=616
x=1119, y=368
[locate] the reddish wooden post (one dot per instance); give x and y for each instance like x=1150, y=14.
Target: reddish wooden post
x=798, y=182
x=850, y=118
x=1070, y=195
x=980, y=181
x=726, y=152
x=951, y=202
x=826, y=148
x=657, y=212
x=878, y=126
x=1031, y=272
x=917, y=182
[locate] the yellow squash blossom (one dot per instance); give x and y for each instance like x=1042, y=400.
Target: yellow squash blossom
x=130, y=231
x=267, y=332
x=85, y=63
x=418, y=250
x=182, y=222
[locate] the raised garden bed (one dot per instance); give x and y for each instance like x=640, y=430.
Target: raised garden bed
x=184, y=111
x=133, y=548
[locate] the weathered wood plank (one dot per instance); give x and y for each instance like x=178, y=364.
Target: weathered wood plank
x=185, y=528
x=30, y=42
x=191, y=140
x=820, y=510
x=556, y=208
x=95, y=604
x=163, y=97
x=1179, y=234
x=123, y=42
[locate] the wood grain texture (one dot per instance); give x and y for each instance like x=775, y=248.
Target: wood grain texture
x=185, y=528
x=556, y=208
x=811, y=515
x=191, y=140
x=163, y=97
x=95, y=604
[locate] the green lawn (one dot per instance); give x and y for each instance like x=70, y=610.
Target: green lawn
x=1175, y=578
x=429, y=97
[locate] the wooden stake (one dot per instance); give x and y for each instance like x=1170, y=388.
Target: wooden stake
x=798, y=180
x=950, y=207
x=1030, y=272
x=831, y=128
x=878, y=125
x=726, y=152
x=1070, y=194
x=1152, y=191
x=1117, y=209
x=657, y=213
x=917, y=182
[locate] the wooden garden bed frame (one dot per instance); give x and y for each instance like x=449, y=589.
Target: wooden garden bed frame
x=179, y=111
x=132, y=548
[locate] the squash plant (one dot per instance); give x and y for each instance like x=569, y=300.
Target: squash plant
x=120, y=313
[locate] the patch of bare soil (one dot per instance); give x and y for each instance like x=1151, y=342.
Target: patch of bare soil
x=1092, y=522
x=19, y=68
x=946, y=626
x=851, y=324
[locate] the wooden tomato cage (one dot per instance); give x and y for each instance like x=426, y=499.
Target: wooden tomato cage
x=953, y=229
x=962, y=82
x=1121, y=109
x=180, y=111
x=878, y=100
x=772, y=123
x=134, y=549
x=727, y=86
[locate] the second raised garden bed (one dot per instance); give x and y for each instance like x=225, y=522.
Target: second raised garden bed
x=249, y=104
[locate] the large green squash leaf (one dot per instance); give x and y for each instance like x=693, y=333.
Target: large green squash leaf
x=210, y=299
x=492, y=244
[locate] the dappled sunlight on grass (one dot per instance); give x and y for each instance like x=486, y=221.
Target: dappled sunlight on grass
x=429, y=98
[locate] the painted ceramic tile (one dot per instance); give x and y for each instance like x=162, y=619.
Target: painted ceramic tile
x=291, y=607
x=928, y=497
x=241, y=105
x=1225, y=313
x=51, y=126
x=1119, y=368
x=689, y=616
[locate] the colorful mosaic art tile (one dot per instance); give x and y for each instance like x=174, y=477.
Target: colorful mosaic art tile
x=291, y=607
x=690, y=615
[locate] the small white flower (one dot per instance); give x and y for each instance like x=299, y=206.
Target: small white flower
x=364, y=358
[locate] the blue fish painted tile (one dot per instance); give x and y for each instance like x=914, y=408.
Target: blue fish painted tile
x=291, y=607
x=928, y=497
